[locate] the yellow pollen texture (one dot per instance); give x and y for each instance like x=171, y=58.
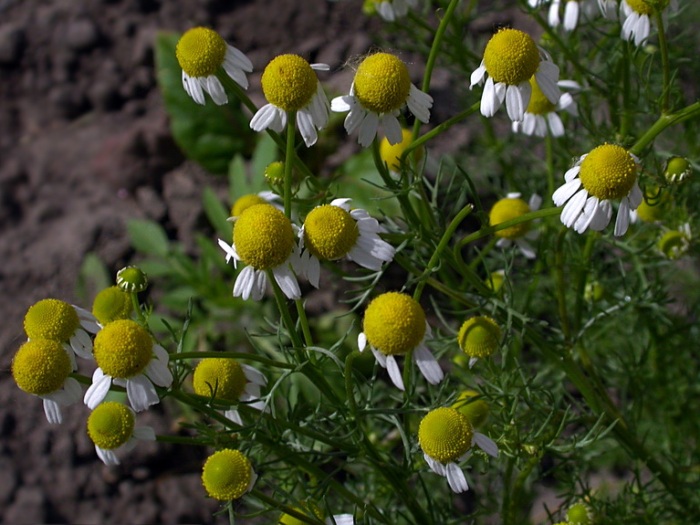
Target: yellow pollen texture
x=219, y=376
x=51, y=319
x=608, y=172
x=479, y=337
x=329, y=232
x=505, y=210
x=445, y=434
x=245, y=202
x=226, y=475
x=382, y=83
x=111, y=304
x=390, y=154
x=40, y=366
x=511, y=57
x=641, y=7
x=263, y=237
x=394, y=323
x=110, y=425
x=539, y=104
x=200, y=52
x=289, y=83
x=308, y=509
x=123, y=348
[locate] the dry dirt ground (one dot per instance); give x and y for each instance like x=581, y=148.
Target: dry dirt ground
x=85, y=145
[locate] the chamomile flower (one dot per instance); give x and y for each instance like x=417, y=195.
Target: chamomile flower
x=246, y=201
x=608, y=172
x=391, y=153
x=389, y=10
x=579, y=514
x=263, y=239
x=677, y=170
x=380, y=90
x=541, y=117
x=111, y=304
x=229, y=381
x=228, y=475
x=334, y=231
x=608, y=8
x=512, y=207
x=572, y=12
x=394, y=324
x=511, y=58
x=127, y=356
x=59, y=321
x=637, y=22
x=312, y=510
x=292, y=89
x=201, y=53
x=41, y=367
x=112, y=428
x=673, y=244
x=132, y=279
x=446, y=436
x=479, y=337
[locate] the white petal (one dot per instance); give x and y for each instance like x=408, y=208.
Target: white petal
x=477, y=75
x=547, y=76
x=486, y=444
x=573, y=208
x=368, y=129
x=623, y=218
x=234, y=416
x=435, y=466
x=342, y=104
x=490, y=101
x=341, y=519
x=108, y=457
x=517, y=99
x=245, y=281
x=571, y=16
x=230, y=252
x=158, y=372
x=394, y=372
x=81, y=344
x=145, y=433
x=572, y=173
x=587, y=215
x=392, y=129
x=565, y=192
x=216, y=90
x=287, y=281
x=141, y=393
x=555, y=124
x=526, y=249
x=306, y=128
x=53, y=412
x=428, y=365
x=635, y=196
x=97, y=391
x=361, y=341
x=419, y=103
x=254, y=375
x=455, y=478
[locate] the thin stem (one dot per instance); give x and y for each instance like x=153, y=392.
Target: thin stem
x=560, y=280
x=304, y=322
x=435, y=47
x=289, y=156
x=549, y=163
x=665, y=64
x=137, y=308
x=402, y=197
x=688, y=112
x=284, y=311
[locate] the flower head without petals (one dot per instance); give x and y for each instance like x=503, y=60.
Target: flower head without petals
x=479, y=337
x=509, y=208
x=227, y=475
x=112, y=428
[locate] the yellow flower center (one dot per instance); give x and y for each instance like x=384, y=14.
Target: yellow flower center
x=511, y=56
x=479, y=337
x=200, y=52
x=608, y=172
x=539, y=103
x=394, y=323
x=641, y=6
x=445, y=435
x=110, y=425
x=226, y=475
x=40, y=366
x=655, y=207
x=123, y=348
x=289, y=83
x=263, y=237
x=111, y=304
x=494, y=282
x=219, y=377
x=274, y=172
x=579, y=514
x=245, y=202
x=308, y=509
x=382, y=83
x=474, y=408
x=51, y=319
x=505, y=210
x=391, y=154
x=330, y=232
x=673, y=244
x=132, y=279
x=677, y=169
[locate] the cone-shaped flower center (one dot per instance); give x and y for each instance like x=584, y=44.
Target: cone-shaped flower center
x=123, y=348
x=226, y=475
x=642, y=7
x=51, y=319
x=445, y=435
x=245, y=202
x=132, y=279
x=308, y=509
x=200, y=52
x=511, y=56
x=220, y=377
x=40, y=366
x=476, y=410
x=110, y=425
x=539, y=103
x=330, y=232
x=288, y=82
x=394, y=323
x=111, y=304
x=479, y=337
x=382, y=83
x=608, y=172
x=505, y=210
x=263, y=236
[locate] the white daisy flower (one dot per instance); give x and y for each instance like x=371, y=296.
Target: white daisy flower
x=608, y=8
x=127, y=356
x=111, y=427
x=606, y=173
x=263, y=239
x=41, y=367
x=201, y=53
x=394, y=324
x=637, y=23
x=229, y=381
x=541, y=117
x=511, y=59
x=293, y=91
x=334, y=231
x=446, y=437
x=380, y=90
x=573, y=10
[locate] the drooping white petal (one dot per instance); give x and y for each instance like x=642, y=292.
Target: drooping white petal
x=306, y=127
x=141, y=393
x=547, y=76
x=571, y=13
x=368, y=129
x=53, y=412
x=287, y=281
x=378, y=356
x=392, y=129
x=158, y=372
x=477, y=75
x=361, y=341
x=428, y=365
x=486, y=444
x=455, y=478
x=343, y=104
x=234, y=416
x=635, y=196
x=341, y=519
x=565, y=192
x=216, y=90
x=108, y=457
x=573, y=208
x=623, y=218
x=97, y=391
x=419, y=103
x=394, y=372
x=81, y=344
x=145, y=433
x=254, y=375
x=245, y=282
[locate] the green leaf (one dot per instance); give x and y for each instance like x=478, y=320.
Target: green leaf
x=148, y=237
x=216, y=213
x=209, y=134
x=92, y=278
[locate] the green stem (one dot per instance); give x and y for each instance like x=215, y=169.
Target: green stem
x=137, y=308
x=284, y=311
x=626, y=117
x=688, y=112
x=289, y=156
x=435, y=47
x=561, y=283
x=549, y=162
x=304, y=322
x=402, y=197
x=665, y=65
x=232, y=355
